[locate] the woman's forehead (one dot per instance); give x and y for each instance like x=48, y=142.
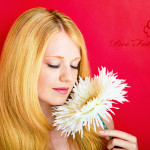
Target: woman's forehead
x=61, y=45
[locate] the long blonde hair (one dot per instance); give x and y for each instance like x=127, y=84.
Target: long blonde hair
x=22, y=122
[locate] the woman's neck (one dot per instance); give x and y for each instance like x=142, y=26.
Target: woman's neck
x=55, y=136
x=47, y=110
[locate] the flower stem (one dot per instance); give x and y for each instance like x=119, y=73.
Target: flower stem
x=104, y=125
x=107, y=128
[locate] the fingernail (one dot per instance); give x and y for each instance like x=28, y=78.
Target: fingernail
x=102, y=132
x=107, y=138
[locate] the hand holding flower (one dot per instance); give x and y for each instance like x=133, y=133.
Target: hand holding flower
x=121, y=139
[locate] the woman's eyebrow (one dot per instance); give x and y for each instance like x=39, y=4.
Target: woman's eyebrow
x=61, y=57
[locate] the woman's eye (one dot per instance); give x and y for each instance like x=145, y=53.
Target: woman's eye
x=53, y=66
x=75, y=67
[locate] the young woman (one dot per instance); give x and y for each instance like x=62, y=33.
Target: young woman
x=43, y=56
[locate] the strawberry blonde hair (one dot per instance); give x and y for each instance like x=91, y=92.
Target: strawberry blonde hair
x=23, y=124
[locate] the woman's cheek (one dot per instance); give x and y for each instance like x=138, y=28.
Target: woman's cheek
x=75, y=76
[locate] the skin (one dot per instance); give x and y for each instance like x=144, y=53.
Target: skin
x=60, y=69
x=122, y=139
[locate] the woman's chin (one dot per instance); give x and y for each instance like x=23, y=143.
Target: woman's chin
x=59, y=103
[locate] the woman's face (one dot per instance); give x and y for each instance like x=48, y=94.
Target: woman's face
x=59, y=69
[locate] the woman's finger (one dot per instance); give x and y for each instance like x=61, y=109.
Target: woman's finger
x=119, y=134
x=121, y=143
x=118, y=149
x=107, y=138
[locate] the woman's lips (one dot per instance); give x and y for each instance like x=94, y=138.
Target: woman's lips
x=61, y=90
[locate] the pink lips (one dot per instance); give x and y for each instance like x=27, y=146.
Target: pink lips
x=62, y=90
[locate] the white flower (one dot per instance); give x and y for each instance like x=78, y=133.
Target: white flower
x=90, y=98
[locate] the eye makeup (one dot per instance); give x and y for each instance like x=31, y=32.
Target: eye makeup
x=56, y=63
x=57, y=66
x=53, y=66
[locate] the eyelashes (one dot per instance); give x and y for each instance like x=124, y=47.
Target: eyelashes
x=53, y=66
x=75, y=67
x=57, y=66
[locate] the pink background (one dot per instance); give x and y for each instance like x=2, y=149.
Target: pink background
x=115, y=38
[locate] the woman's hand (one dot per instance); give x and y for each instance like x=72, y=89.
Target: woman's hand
x=121, y=139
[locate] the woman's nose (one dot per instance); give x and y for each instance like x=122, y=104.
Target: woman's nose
x=66, y=74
